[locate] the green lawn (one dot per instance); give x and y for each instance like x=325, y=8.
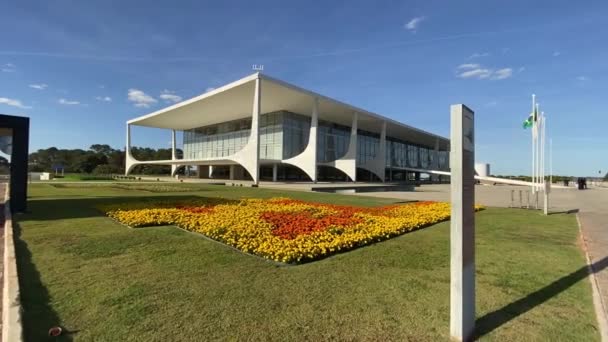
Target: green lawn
x=107, y=282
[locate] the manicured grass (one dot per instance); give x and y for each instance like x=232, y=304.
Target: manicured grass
x=107, y=282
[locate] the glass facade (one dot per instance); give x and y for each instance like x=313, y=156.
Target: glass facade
x=332, y=141
x=284, y=135
x=368, y=145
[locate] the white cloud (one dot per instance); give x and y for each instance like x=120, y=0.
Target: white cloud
x=583, y=78
x=103, y=98
x=501, y=74
x=68, y=102
x=8, y=67
x=140, y=99
x=169, y=96
x=479, y=55
x=208, y=89
x=413, y=24
x=40, y=86
x=468, y=66
x=13, y=103
x=478, y=73
x=470, y=70
x=556, y=53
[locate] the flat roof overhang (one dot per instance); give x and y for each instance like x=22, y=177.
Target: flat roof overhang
x=235, y=101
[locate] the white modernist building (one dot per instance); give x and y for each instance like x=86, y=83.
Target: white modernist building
x=262, y=128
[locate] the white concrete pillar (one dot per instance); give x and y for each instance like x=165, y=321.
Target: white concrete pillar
x=210, y=171
x=173, y=145
x=130, y=162
x=352, y=146
x=232, y=172
x=462, y=224
x=312, y=138
x=255, y=130
x=275, y=172
x=307, y=160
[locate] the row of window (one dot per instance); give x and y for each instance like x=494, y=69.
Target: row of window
x=284, y=135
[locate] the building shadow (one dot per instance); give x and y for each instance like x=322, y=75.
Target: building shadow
x=570, y=211
x=492, y=320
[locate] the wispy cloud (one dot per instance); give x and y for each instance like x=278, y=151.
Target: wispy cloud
x=479, y=55
x=13, y=103
x=582, y=78
x=169, y=96
x=413, y=24
x=556, y=53
x=140, y=99
x=477, y=71
x=8, y=67
x=68, y=102
x=40, y=86
x=208, y=89
x=103, y=98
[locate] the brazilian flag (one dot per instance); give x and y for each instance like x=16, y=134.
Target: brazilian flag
x=531, y=120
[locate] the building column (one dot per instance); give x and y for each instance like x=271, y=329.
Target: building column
x=232, y=172
x=275, y=172
x=255, y=130
x=210, y=171
x=130, y=162
x=174, y=167
x=307, y=160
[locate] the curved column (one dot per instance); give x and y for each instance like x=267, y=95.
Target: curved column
x=249, y=155
x=130, y=161
x=307, y=160
x=348, y=162
x=174, y=167
x=377, y=165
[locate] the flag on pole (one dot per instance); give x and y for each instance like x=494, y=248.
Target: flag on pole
x=532, y=119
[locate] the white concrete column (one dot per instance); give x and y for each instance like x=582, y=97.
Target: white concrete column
x=130, y=162
x=249, y=156
x=275, y=172
x=174, y=167
x=255, y=131
x=462, y=224
x=307, y=160
x=210, y=171
x=232, y=172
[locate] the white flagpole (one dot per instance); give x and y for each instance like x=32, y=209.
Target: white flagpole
x=533, y=144
x=551, y=160
x=543, y=150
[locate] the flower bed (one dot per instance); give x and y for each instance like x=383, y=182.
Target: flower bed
x=285, y=230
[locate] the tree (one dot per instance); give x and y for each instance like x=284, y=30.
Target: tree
x=102, y=149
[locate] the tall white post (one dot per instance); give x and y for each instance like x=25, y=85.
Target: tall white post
x=173, y=145
x=533, y=143
x=551, y=160
x=462, y=224
x=255, y=126
x=312, y=136
x=275, y=172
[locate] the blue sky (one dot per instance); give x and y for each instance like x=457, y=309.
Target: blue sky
x=80, y=69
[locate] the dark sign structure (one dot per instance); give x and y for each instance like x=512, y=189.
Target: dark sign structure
x=19, y=128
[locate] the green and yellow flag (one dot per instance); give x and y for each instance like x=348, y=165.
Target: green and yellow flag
x=529, y=122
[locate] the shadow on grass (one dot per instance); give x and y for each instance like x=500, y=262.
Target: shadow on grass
x=38, y=314
x=70, y=208
x=492, y=320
